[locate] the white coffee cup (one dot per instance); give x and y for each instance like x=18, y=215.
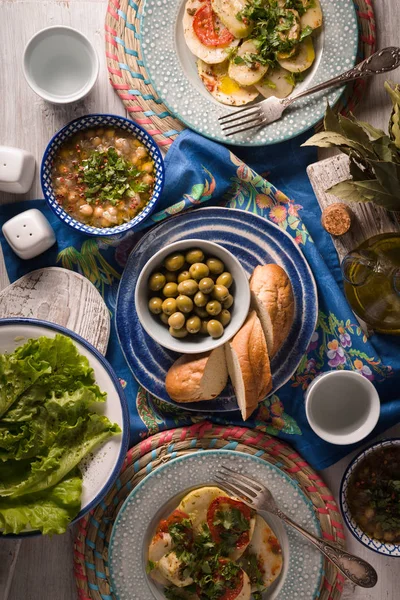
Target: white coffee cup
x=60, y=64
x=342, y=407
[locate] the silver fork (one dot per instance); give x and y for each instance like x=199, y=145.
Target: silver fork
x=258, y=497
x=271, y=110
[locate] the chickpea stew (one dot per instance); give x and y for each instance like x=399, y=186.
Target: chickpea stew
x=373, y=494
x=103, y=177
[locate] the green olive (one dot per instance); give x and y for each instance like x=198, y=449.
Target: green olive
x=178, y=333
x=164, y=318
x=155, y=305
x=194, y=256
x=174, y=261
x=184, y=304
x=216, y=266
x=170, y=290
x=220, y=292
x=203, y=328
x=213, y=308
x=177, y=320
x=193, y=324
x=228, y=302
x=183, y=276
x=206, y=285
x=201, y=312
x=225, y=279
x=198, y=271
x=201, y=299
x=157, y=281
x=170, y=277
x=224, y=317
x=188, y=287
x=215, y=328
x=169, y=306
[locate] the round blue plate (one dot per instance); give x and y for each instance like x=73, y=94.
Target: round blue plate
x=173, y=72
x=254, y=241
x=145, y=506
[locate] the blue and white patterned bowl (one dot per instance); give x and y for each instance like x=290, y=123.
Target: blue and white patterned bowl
x=371, y=543
x=100, y=120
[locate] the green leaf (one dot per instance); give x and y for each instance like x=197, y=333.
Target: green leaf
x=357, y=173
x=388, y=175
x=347, y=190
x=385, y=149
x=372, y=131
x=307, y=31
x=376, y=193
x=331, y=139
x=331, y=121
x=355, y=132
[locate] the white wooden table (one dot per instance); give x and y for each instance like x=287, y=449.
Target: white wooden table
x=41, y=568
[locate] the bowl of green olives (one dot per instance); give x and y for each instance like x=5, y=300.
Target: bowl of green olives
x=192, y=296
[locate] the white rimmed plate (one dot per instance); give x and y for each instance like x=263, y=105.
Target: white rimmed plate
x=101, y=470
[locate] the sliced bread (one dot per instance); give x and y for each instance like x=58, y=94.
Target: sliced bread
x=248, y=365
x=196, y=377
x=272, y=298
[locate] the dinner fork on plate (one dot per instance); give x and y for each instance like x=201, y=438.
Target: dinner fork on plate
x=271, y=110
x=258, y=497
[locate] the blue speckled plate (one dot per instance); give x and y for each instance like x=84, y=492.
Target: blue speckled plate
x=145, y=506
x=173, y=73
x=254, y=241
x=371, y=543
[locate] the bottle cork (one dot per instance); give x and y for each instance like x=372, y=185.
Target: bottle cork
x=336, y=218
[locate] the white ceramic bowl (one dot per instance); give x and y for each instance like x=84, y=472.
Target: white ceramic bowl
x=60, y=64
x=342, y=407
x=192, y=344
x=102, y=468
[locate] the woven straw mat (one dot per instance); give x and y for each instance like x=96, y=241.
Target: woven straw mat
x=130, y=80
x=94, y=530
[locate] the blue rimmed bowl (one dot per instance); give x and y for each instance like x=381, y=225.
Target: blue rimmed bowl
x=375, y=545
x=87, y=122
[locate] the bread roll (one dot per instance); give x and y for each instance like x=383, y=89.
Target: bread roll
x=272, y=298
x=248, y=365
x=196, y=377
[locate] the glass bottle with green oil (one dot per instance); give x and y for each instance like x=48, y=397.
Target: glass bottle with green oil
x=371, y=275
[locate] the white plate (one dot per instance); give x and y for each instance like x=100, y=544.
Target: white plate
x=101, y=470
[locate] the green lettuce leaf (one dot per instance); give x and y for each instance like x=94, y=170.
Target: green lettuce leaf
x=48, y=424
x=71, y=446
x=49, y=512
x=16, y=376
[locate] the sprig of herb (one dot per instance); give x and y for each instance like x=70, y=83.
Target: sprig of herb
x=109, y=177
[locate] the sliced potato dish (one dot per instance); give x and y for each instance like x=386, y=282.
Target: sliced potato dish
x=244, y=68
x=247, y=47
x=222, y=87
x=278, y=83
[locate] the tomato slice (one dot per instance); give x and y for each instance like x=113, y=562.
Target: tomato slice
x=205, y=28
x=225, y=503
x=176, y=517
x=233, y=586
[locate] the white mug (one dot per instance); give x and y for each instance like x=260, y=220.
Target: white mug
x=342, y=407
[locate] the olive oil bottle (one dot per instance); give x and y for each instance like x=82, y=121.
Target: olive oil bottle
x=372, y=282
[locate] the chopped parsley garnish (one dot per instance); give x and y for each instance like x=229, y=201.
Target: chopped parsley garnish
x=232, y=524
x=272, y=27
x=109, y=177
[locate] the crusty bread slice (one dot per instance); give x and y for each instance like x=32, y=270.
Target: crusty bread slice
x=272, y=298
x=196, y=377
x=248, y=365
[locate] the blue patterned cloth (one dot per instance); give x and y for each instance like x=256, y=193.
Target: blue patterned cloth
x=201, y=171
